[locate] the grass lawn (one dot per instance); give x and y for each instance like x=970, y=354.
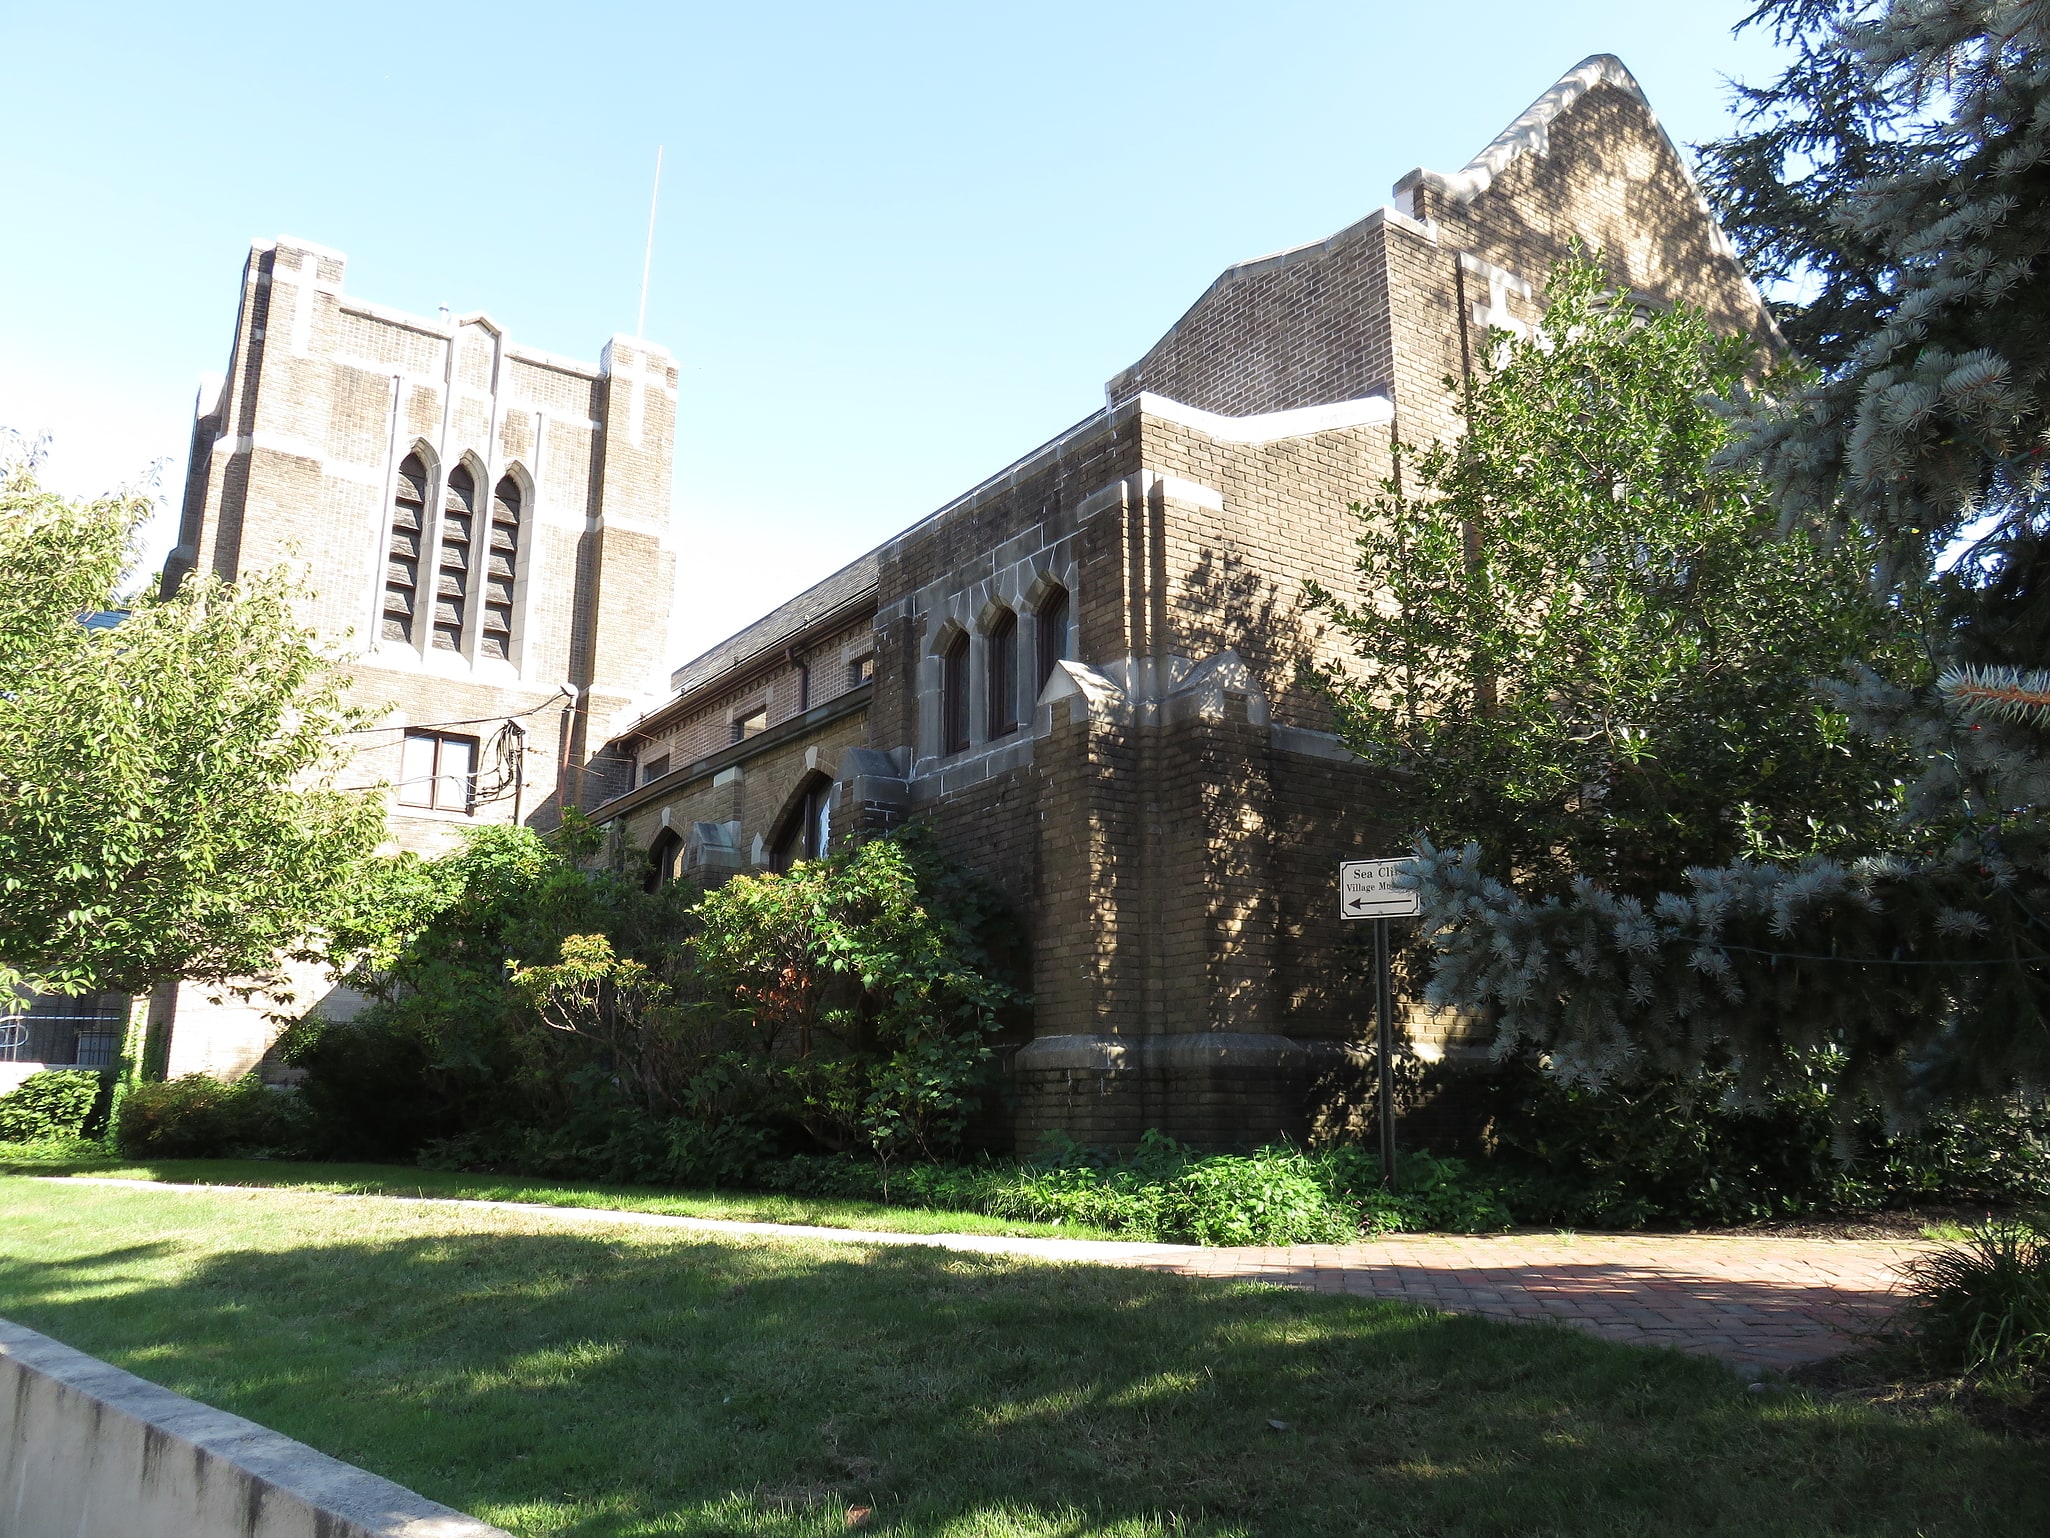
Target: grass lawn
x=407, y=1180
x=617, y=1381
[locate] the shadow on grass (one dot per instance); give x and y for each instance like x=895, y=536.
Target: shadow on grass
x=630, y=1383
x=1622, y=1300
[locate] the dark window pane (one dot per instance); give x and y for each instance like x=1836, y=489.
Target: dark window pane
x=662, y=857
x=954, y=697
x=1002, y=647
x=1053, y=637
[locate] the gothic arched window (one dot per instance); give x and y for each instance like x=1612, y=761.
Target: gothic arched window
x=452, y=581
x=500, y=568
x=1053, y=636
x=1000, y=651
x=808, y=832
x=663, y=856
x=954, y=695
x=402, y=558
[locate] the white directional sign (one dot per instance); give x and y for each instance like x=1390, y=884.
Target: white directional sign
x=1367, y=890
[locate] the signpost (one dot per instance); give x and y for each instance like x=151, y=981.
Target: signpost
x=1367, y=890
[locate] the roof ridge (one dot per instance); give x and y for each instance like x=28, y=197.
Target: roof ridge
x=790, y=611
x=1529, y=133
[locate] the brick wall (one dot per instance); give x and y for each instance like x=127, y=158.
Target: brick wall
x=295, y=459
x=1169, y=821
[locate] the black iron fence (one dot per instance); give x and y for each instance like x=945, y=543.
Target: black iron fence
x=84, y=1032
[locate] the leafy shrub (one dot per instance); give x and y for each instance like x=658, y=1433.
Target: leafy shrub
x=50, y=1105
x=196, y=1117
x=534, y=1009
x=1983, y=1305
x=1674, y=1153
x=1161, y=1190
x=1269, y=1197
x=869, y=990
x=616, y=1145
x=1432, y=1195
x=1121, y=1201
x=367, y=1092
x=439, y=1052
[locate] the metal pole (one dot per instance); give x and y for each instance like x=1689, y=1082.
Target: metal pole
x=1384, y=1030
x=648, y=260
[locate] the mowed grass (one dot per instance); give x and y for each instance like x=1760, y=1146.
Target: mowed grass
x=598, y=1379
x=407, y=1180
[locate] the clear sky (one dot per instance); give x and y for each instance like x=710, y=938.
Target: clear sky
x=899, y=245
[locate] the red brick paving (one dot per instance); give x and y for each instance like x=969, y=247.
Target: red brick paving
x=1760, y=1302
x=1767, y=1303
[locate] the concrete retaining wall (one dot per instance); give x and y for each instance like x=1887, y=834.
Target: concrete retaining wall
x=90, y=1451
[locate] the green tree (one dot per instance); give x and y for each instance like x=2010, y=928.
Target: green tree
x=1583, y=652
x=167, y=798
x=530, y=997
x=1898, y=176
x=1894, y=185
x=867, y=982
x=447, y=1045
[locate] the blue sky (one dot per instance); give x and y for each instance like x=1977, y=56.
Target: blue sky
x=899, y=245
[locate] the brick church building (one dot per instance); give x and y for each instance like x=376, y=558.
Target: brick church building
x=1082, y=671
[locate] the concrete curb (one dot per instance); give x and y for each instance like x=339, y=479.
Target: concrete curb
x=90, y=1451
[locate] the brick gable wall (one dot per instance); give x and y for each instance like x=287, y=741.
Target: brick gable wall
x=1169, y=823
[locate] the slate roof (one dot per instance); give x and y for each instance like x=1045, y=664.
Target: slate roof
x=850, y=582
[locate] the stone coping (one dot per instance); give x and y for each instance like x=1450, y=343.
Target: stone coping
x=91, y=1450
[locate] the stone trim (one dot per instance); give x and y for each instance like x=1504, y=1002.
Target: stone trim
x=1376, y=410
x=1530, y=134
x=687, y=775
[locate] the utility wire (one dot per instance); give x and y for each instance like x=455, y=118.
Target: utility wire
x=428, y=726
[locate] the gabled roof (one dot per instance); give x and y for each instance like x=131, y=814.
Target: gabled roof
x=1529, y=134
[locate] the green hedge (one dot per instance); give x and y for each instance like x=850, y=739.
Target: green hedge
x=196, y=1117
x=49, y=1105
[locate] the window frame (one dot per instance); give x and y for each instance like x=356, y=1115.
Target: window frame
x=487, y=551
x=665, y=858
x=807, y=832
x=1000, y=674
x=455, y=559
x=954, y=701
x=1053, y=633
x=412, y=491
x=437, y=774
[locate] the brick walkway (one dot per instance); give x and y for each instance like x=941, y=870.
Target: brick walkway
x=1752, y=1302
x=1756, y=1303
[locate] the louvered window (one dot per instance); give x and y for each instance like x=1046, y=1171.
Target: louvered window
x=402, y=560
x=501, y=567
x=452, y=582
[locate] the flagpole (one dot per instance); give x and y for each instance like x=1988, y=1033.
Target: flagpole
x=648, y=258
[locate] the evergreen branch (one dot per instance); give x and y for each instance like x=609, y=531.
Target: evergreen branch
x=2000, y=693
